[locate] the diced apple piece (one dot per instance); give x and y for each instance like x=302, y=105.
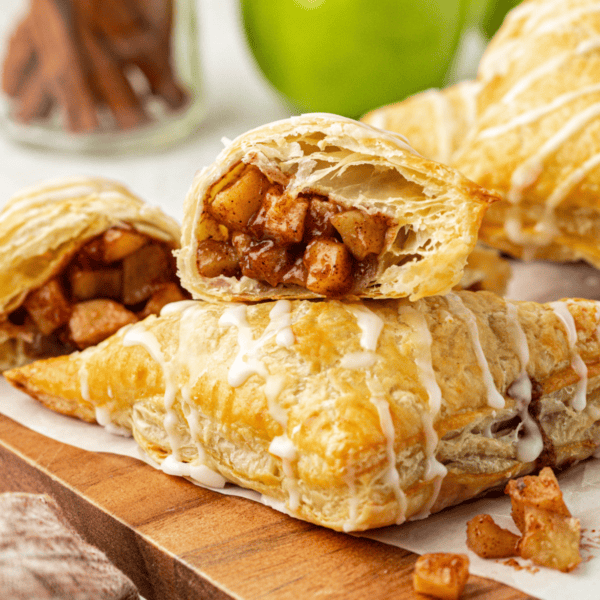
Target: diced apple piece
x=100, y=283
x=329, y=267
x=317, y=223
x=280, y=218
x=551, y=539
x=441, y=575
x=216, y=258
x=489, y=540
x=143, y=271
x=118, y=243
x=237, y=203
x=265, y=261
x=165, y=294
x=540, y=491
x=296, y=274
x=242, y=243
x=48, y=307
x=95, y=320
x=113, y=245
x=364, y=234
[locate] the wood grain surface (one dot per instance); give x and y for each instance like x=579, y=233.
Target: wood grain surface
x=180, y=542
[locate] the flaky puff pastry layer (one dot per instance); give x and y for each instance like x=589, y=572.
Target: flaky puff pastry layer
x=43, y=226
x=536, y=140
x=435, y=122
x=351, y=415
x=434, y=212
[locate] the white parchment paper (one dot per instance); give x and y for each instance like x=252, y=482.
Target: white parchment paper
x=443, y=532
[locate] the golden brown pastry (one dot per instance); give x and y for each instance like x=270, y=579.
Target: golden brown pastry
x=79, y=257
x=350, y=415
x=486, y=270
x=435, y=122
x=323, y=206
x=537, y=137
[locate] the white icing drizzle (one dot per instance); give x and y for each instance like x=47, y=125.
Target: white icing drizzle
x=538, y=112
x=529, y=446
x=392, y=477
x=358, y=360
x=568, y=17
x=538, y=22
x=561, y=191
x=494, y=398
x=434, y=470
x=561, y=310
x=528, y=172
x=247, y=362
x=138, y=335
x=370, y=326
x=197, y=472
x=175, y=307
x=531, y=168
x=350, y=478
x=553, y=64
x=103, y=418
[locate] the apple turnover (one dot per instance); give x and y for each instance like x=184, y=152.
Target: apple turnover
x=351, y=415
x=435, y=122
x=323, y=206
x=536, y=139
x=79, y=258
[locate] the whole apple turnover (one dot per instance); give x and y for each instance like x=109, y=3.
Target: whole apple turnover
x=79, y=258
x=323, y=206
x=351, y=415
x=536, y=139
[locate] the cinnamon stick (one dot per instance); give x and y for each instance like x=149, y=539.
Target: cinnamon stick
x=75, y=56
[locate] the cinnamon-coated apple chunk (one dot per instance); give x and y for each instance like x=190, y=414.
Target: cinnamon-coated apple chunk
x=216, y=258
x=87, y=283
x=329, y=267
x=281, y=217
x=256, y=228
x=364, y=234
x=95, y=320
x=115, y=244
x=237, y=203
x=48, y=307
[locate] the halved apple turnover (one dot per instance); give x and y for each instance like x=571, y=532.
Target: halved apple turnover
x=322, y=206
x=80, y=258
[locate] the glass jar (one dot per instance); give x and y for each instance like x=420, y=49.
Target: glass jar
x=101, y=75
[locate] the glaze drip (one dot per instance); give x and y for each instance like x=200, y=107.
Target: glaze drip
x=529, y=446
x=561, y=310
x=434, y=470
x=494, y=398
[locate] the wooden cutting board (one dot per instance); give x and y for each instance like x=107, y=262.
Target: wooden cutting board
x=180, y=542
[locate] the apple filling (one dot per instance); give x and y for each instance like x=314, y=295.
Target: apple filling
x=117, y=278
x=253, y=228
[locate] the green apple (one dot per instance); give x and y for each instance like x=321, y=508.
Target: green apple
x=350, y=56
